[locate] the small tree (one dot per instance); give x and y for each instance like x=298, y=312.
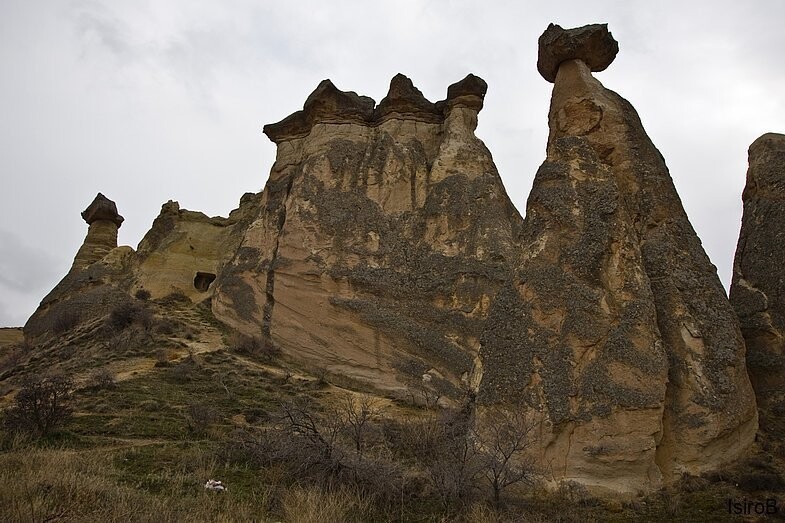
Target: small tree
x=357, y=415
x=504, y=438
x=41, y=406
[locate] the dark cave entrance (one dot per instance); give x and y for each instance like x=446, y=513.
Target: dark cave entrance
x=202, y=280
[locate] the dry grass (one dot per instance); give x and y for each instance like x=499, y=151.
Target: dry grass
x=46, y=484
x=313, y=505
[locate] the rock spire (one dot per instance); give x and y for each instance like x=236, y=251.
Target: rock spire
x=104, y=221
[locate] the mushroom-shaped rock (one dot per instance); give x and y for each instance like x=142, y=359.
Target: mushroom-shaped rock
x=102, y=208
x=326, y=103
x=593, y=44
x=405, y=99
x=103, y=219
x=469, y=92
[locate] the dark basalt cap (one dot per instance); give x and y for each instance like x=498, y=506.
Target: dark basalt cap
x=102, y=208
x=593, y=44
x=329, y=104
x=469, y=92
x=326, y=104
x=405, y=99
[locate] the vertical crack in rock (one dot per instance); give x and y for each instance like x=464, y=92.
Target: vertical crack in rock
x=269, y=286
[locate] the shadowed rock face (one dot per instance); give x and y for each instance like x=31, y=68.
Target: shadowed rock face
x=758, y=289
x=382, y=238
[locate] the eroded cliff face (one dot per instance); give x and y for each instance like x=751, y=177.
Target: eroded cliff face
x=184, y=250
x=758, y=289
x=383, y=236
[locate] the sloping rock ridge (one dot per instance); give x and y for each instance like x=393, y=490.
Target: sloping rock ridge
x=385, y=252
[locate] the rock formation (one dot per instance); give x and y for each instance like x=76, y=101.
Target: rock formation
x=616, y=320
x=758, y=289
x=103, y=221
x=184, y=249
x=591, y=44
x=383, y=235
x=385, y=252
x=182, y=254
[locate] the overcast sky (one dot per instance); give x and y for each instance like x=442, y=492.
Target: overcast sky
x=153, y=100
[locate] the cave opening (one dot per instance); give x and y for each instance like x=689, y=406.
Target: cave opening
x=202, y=281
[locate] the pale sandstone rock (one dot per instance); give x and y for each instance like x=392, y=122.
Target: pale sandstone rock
x=382, y=237
x=385, y=251
x=182, y=253
x=104, y=221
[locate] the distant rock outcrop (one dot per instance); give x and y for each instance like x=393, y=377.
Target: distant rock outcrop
x=758, y=289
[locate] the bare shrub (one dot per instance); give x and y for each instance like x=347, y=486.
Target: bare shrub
x=357, y=415
x=184, y=370
x=162, y=357
x=200, y=417
x=244, y=344
x=167, y=326
x=64, y=320
x=127, y=314
x=504, y=439
x=142, y=294
x=173, y=299
x=441, y=444
x=41, y=406
x=102, y=379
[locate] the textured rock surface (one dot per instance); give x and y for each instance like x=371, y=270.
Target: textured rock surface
x=620, y=329
x=758, y=289
x=382, y=237
x=103, y=220
x=594, y=45
x=180, y=254
x=181, y=246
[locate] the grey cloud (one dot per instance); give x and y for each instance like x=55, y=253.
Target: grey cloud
x=22, y=268
x=148, y=101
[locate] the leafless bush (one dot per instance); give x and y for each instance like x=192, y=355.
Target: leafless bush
x=142, y=294
x=126, y=314
x=65, y=319
x=162, y=357
x=102, y=379
x=184, y=370
x=41, y=406
x=200, y=417
x=504, y=437
x=174, y=298
x=244, y=344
